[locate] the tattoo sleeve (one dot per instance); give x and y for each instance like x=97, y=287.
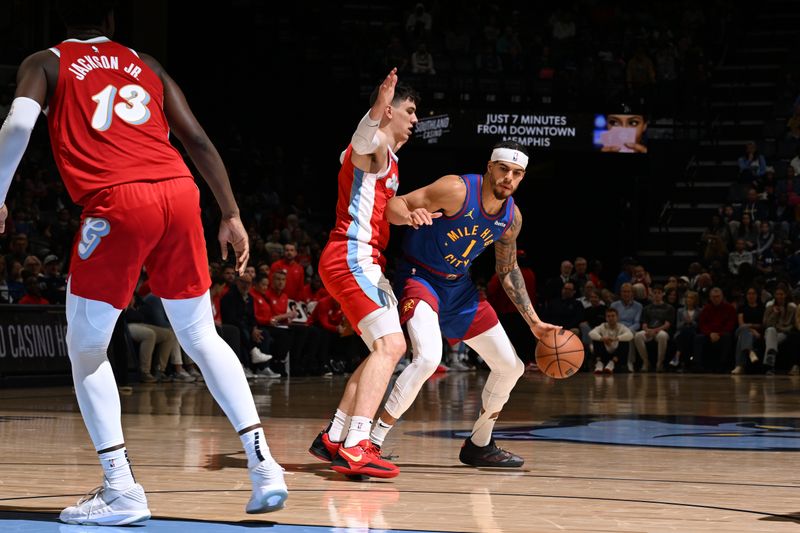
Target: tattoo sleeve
x=509, y=273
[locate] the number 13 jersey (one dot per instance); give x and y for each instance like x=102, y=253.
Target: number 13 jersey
x=106, y=119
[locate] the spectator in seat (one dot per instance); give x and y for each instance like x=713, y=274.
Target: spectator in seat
x=751, y=328
x=552, y=288
x=33, y=293
x=752, y=164
x=17, y=249
x=566, y=312
x=609, y=339
x=747, y=231
x=641, y=283
x=314, y=291
x=580, y=276
x=295, y=275
x=422, y=61
x=629, y=312
x=685, y=328
x=238, y=309
x=715, y=329
x=764, y=239
x=32, y=265
x=52, y=281
x=739, y=256
x=657, y=321
x=625, y=275
x=593, y=315
x=779, y=319
x=754, y=207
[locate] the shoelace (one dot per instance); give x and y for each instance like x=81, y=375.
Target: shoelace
x=92, y=495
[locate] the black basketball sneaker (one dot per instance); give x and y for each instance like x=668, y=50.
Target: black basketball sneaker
x=489, y=455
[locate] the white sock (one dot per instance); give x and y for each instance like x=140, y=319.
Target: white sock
x=359, y=430
x=256, y=447
x=482, y=430
x=379, y=432
x=117, y=469
x=337, y=429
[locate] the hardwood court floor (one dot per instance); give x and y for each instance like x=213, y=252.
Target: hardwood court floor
x=682, y=473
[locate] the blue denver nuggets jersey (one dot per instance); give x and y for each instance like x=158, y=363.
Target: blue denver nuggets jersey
x=449, y=246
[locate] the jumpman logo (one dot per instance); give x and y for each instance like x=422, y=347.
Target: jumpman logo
x=93, y=230
x=469, y=214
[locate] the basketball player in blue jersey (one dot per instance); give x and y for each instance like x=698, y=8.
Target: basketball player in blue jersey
x=438, y=296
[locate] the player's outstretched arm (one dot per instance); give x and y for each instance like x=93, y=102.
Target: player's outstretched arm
x=369, y=143
x=16, y=130
x=421, y=206
x=187, y=129
x=505, y=251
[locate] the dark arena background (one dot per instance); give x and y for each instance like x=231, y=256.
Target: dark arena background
x=664, y=142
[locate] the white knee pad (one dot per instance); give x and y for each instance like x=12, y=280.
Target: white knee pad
x=426, y=346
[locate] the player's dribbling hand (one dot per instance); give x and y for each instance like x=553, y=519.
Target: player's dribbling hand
x=3, y=217
x=541, y=328
x=231, y=230
x=421, y=216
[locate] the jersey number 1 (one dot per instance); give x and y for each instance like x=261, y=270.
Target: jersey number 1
x=133, y=110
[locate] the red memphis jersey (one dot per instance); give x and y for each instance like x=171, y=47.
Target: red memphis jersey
x=360, y=209
x=106, y=119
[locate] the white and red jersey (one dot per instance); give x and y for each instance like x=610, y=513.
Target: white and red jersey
x=106, y=119
x=361, y=209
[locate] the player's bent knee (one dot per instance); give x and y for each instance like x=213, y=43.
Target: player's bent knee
x=392, y=346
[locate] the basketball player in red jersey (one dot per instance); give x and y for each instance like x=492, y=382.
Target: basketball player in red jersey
x=351, y=267
x=109, y=113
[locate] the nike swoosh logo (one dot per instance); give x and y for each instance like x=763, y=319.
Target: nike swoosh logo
x=353, y=458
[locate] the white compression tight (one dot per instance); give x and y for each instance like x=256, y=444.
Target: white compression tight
x=193, y=323
x=89, y=329
x=90, y=324
x=494, y=346
x=426, y=348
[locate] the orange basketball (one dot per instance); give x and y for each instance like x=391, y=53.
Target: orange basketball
x=559, y=353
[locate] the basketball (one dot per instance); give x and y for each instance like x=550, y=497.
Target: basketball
x=559, y=353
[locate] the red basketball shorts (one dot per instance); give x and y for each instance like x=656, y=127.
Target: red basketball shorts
x=155, y=224
x=358, y=284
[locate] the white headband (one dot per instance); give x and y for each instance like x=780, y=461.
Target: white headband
x=509, y=155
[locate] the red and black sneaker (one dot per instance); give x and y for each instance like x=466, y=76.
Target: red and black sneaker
x=363, y=459
x=323, y=449
x=489, y=455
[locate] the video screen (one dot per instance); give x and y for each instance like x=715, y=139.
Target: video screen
x=620, y=133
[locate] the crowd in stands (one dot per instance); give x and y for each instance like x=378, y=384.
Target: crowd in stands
x=582, y=53
x=731, y=311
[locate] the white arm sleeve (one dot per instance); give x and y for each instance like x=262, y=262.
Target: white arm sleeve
x=365, y=139
x=14, y=137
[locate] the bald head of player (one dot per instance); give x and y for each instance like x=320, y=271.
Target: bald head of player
x=506, y=168
x=88, y=16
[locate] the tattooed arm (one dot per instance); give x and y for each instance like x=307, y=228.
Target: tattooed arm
x=505, y=251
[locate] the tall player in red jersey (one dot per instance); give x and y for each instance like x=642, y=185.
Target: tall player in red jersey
x=351, y=267
x=109, y=112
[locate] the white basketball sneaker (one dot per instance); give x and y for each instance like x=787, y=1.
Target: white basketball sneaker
x=269, y=488
x=105, y=506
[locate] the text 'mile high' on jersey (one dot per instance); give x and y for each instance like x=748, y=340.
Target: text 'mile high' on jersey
x=449, y=246
x=106, y=119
